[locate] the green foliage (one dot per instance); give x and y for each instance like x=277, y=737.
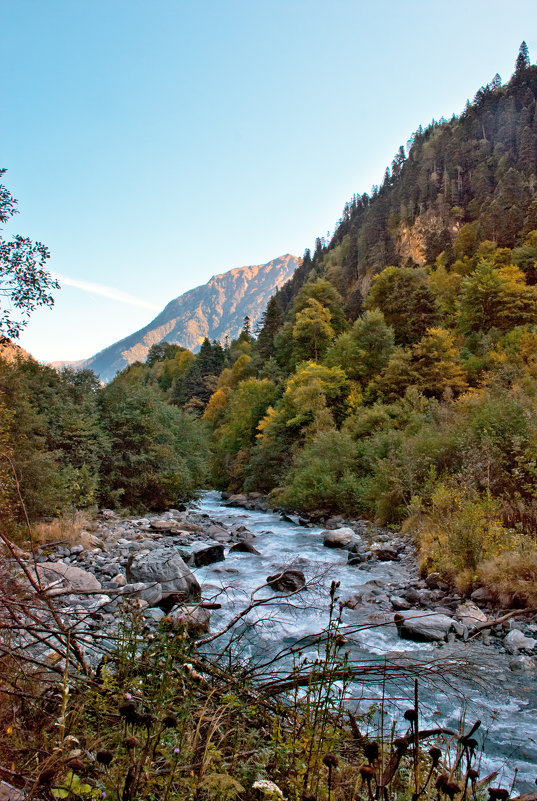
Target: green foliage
x=324, y=476
x=235, y=435
x=365, y=349
x=24, y=283
x=55, y=438
x=403, y=296
x=158, y=454
x=496, y=297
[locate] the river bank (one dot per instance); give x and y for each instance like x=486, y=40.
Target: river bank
x=223, y=553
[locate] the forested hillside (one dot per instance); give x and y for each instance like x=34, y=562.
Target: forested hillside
x=393, y=377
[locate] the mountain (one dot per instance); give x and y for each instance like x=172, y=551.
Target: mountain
x=215, y=310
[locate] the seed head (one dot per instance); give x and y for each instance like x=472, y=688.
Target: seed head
x=411, y=715
x=451, y=789
x=473, y=774
x=46, y=776
x=76, y=765
x=401, y=744
x=372, y=750
x=170, y=721
x=441, y=782
x=435, y=754
x=331, y=761
x=130, y=742
x=367, y=772
x=104, y=757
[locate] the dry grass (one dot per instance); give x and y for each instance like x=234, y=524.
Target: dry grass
x=68, y=529
x=512, y=577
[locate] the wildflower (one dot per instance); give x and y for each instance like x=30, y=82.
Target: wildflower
x=267, y=788
x=104, y=756
x=176, y=750
x=128, y=696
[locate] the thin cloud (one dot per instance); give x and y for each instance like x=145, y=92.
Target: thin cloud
x=105, y=291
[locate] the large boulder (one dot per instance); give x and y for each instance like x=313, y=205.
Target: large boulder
x=425, y=626
x=164, y=566
x=470, y=615
x=339, y=537
x=68, y=577
x=517, y=641
x=287, y=581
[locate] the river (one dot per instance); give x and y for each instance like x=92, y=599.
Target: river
x=459, y=682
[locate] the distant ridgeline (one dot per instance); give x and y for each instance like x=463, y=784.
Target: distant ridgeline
x=393, y=376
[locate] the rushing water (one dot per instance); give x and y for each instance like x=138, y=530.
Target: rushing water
x=481, y=685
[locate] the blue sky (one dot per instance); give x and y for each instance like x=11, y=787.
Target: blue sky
x=154, y=144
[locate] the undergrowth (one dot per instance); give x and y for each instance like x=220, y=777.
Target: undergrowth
x=159, y=721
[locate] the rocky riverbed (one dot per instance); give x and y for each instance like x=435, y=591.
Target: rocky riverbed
x=216, y=553
x=154, y=559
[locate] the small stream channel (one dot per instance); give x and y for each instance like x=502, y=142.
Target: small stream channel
x=482, y=687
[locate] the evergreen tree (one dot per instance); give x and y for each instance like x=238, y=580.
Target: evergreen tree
x=523, y=59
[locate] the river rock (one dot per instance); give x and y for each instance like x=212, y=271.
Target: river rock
x=425, y=626
x=287, y=581
x=69, y=577
x=200, y=554
x=194, y=619
x=165, y=567
x=153, y=615
x=482, y=596
x=167, y=526
x=517, y=641
x=236, y=500
x=385, y=552
x=470, y=615
x=244, y=547
x=434, y=582
x=10, y=793
x=339, y=537
x=150, y=593
x=522, y=662
x=399, y=603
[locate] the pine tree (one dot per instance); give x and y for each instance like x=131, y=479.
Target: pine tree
x=523, y=59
